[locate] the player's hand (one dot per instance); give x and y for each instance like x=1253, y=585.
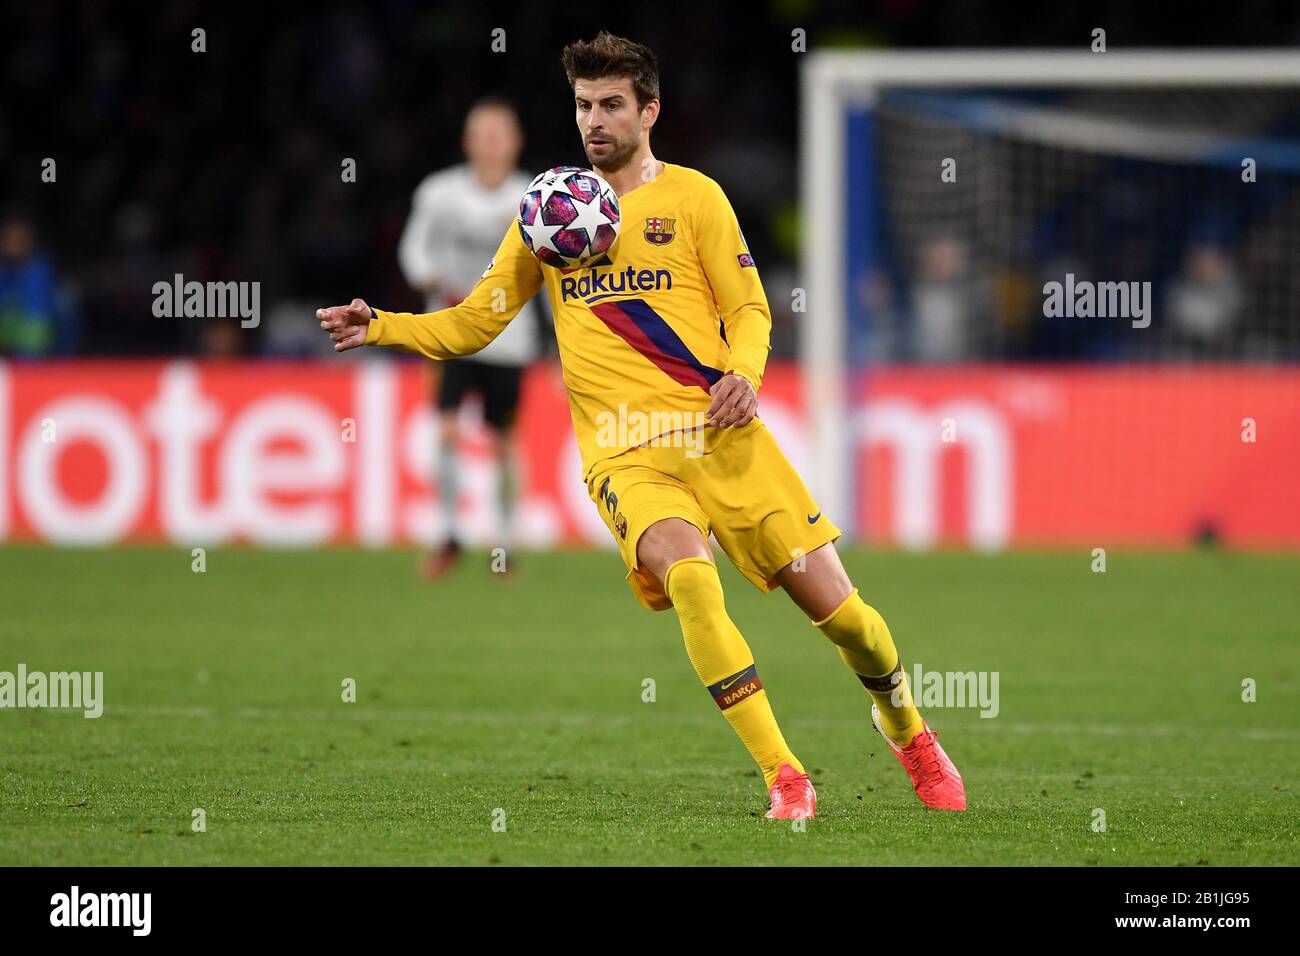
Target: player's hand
x=734, y=402
x=346, y=324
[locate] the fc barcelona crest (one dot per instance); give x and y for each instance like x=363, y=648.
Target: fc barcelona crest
x=659, y=231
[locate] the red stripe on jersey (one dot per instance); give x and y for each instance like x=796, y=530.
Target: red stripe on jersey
x=621, y=324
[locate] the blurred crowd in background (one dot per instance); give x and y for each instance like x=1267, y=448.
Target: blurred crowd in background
x=1187, y=196
x=226, y=164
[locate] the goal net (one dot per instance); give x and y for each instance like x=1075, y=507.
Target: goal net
x=1127, y=224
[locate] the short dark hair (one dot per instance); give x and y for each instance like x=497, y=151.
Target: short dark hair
x=494, y=102
x=608, y=55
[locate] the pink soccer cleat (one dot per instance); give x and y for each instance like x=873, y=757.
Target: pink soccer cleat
x=793, y=796
x=934, y=777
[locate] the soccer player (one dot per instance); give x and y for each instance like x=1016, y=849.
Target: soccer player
x=454, y=227
x=675, y=326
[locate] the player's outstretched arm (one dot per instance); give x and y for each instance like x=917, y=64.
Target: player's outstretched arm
x=512, y=278
x=346, y=324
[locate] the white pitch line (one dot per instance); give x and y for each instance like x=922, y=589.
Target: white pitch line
x=430, y=715
x=1126, y=730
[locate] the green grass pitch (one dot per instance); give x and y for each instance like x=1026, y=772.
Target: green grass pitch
x=1120, y=691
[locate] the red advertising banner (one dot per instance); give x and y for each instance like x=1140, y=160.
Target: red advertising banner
x=307, y=453
x=1089, y=455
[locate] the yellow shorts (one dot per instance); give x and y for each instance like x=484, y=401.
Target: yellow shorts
x=739, y=486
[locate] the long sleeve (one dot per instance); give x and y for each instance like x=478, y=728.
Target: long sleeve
x=737, y=290
x=421, y=253
x=512, y=278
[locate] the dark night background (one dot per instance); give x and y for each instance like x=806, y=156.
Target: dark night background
x=225, y=165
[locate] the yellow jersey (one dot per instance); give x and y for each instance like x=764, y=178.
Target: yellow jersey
x=643, y=334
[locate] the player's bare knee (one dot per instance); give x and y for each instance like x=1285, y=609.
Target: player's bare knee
x=818, y=583
x=668, y=541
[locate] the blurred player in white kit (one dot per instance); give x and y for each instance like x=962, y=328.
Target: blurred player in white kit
x=457, y=218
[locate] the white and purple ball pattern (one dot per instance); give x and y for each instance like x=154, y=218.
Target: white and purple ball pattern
x=569, y=217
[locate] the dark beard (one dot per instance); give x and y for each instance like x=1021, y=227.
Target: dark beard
x=616, y=160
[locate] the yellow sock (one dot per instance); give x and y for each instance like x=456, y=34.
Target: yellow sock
x=725, y=664
x=864, y=642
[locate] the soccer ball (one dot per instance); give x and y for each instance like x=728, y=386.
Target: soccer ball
x=568, y=217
